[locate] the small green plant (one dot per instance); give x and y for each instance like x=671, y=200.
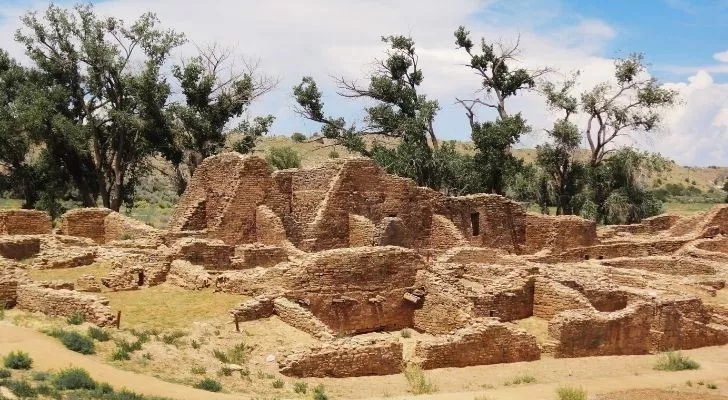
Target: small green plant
x=418, y=382
x=195, y=344
x=520, y=379
x=5, y=373
x=198, y=370
x=99, y=334
x=220, y=355
x=319, y=393
x=73, y=379
x=675, y=361
x=298, y=137
x=406, y=333
x=283, y=158
x=225, y=371
x=300, y=387
x=40, y=376
x=126, y=236
x=78, y=343
x=172, y=337
x=209, y=384
x=278, y=383
x=75, y=319
x=18, y=360
x=571, y=393
x=129, y=347
x=120, y=354
x=240, y=353
x=20, y=388
x=712, y=386
x=334, y=154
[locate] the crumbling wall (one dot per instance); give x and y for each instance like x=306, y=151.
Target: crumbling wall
x=65, y=302
x=256, y=308
x=697, y=224
x=120, y=227
x=210, y=253
x=66, y=257
x=87, y=283
x=343, y=359
x=444, y=234
x=257, y=255
x=19, y=247
x=679, y=266
x=298, y=317
x=269, y=228
x=85, y=222
x=614, y=250
x=558, y=233
x=442, y=309
x=550, y=298
x=24, y=222
x=483, y=342
x=184, y=274
x=361, y=231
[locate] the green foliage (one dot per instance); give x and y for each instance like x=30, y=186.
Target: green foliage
x=120, y=353
x=172, y=337
x=319, y=393
x=209, y=384
x=75, y=319
x=198, y=370
x=494, y=162
x=77, y=342
x=520, y=379
x=220, y=355
x=406, y=333
x=99, y=334
x=73, y=378
x=18, y=360
x=5, y=373
x=194, y=344
x=278, y=384
x=240, y=353
x=40, y=376
x=300, y=387
x=283, y=157
x=333, y=154
x=21, y=388
x=225, y=371
x=417, y=381
x=675, y=361
x=571, y=393
x=298, y=137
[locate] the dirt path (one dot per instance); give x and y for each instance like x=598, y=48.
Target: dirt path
x=48, y=354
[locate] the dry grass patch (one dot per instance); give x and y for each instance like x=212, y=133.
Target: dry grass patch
x=170, y=307
x=97, y=269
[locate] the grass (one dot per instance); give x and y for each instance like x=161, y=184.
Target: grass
x=18, y=360
x=675, y=361
x=198, y=370
x=173, y=337
x=417, y=381
x=174, y=307
x=571, y=393
x=520, y=379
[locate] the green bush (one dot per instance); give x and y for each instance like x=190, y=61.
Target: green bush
x=120, y=354
x=18, y=360
x=209, y=384
x=319, y=393
x=78, y=343
x=298, y=137
x=130, y=347
x=283, y=157
x=73, y=379
x=571, y=393
x=278, y=383
x=5, y=373
x=75, y=319
x=40, y=376
x=300, y=387
x=220, y=355
x=520, y=379
x=198, y=370
x=240, y=353
x=172, y=337
x=225, y=371
x=406, y=333
x=99, y=334
x=418, y=382
x=334, y=154
x=20, y=388
x=675, y=361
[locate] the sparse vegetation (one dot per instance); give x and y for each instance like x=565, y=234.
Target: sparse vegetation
x=209, y=384
x=712, y=386
x=18, y=360
x=172, y=337
x=406, y=333
x=675, y=361
x=98, y=334
x=417, y=381
x=300, y=387
x=571, y=393
x=198, y=370
x=319, y=393
x=225, y=371
x=5, y=373
x=73, y=378
x=240, y=353
x=278, y=384
x=75, y=319
x=120, y=354
x=283, y=157
x=520, y=379
x=78, y=343
x=298, y=137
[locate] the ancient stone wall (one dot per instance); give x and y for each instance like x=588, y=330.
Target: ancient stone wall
x=344, y=358
x=257, y=255
x=19, y=247
x=65, y=302
x=551, y=298
x=483, y=342
x=120, y=227
x=256, y=308
x=212, y=254
x=679, y=266
x=24, y=222
x=614, y=250
x=488, y=220
x=298, y=317
x=444, y=234
x=85, y=222
x=558, y=233
x=695, y=225
x=361, y=231
x=269, y=227
x=185, y=274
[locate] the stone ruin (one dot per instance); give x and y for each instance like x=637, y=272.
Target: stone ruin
x=345, y=251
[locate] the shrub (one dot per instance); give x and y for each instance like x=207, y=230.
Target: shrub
x=98, y=334
x=20, y=388
x=40, y=376
x=571, y=393
x=225, y=371
x=418, y=382
x=5, y=373
x=209, y=384
x=18, y=360
x=78, y=343
x=172, y=337
x=220, y=355
x=195, y=345
x=240, y=353
x=334, y=154
x=675, y=361
x=47, y=391
x=298, y=137
x=319, y=393
x=278, y=383
x=300, y=387
x=120, y=353
x=711, y=386
x=406, y=333
x=102, y=389
x=520, y=379
x=198, y=370
x=283, y=157
x=73, y=378
x=75, y=319
x=129, y=347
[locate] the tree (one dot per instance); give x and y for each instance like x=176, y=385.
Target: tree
x=400, y=112
x=283, y=157
x=217, y=90
x=100, y=112
x=633, y=105
x=499, y=81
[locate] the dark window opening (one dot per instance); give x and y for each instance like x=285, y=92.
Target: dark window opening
x=391, y=215
x=140, y=281
x=475, y=222
x=492, y=313
x=586, y=256
x=601, y=257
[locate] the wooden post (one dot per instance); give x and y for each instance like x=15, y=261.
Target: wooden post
x=118, y=319
x=237, y=327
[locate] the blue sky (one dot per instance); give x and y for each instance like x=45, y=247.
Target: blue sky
x=331, y=38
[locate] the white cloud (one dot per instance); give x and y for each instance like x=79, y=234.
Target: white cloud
x=722, y=56
x=325, y=38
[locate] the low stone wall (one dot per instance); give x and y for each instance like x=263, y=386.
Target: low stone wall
x=184, y=274
x=614, y=250
x=19, y=247
x=257, y=308
x=66, y=257
x=65, y=302
x=483, y=342
x=343, y=359
x=679, y=266
x=558, y=233
x=24, y=222
x=88, y=283
x=257, y=255
x=8, y=287
x=298, y=317
x=212, y=254
x=551, y=298
x=120, y=227
x=85, y=222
